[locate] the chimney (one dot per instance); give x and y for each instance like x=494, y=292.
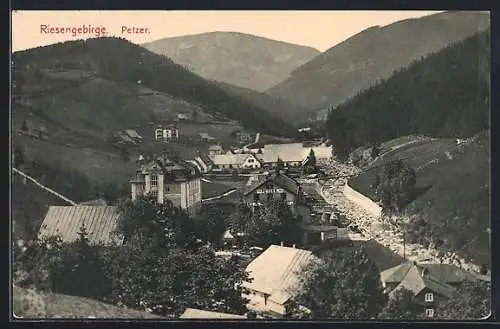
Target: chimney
x=281, y=243
x=293, y=246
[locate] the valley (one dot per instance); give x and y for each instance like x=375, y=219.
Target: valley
x=242, y=177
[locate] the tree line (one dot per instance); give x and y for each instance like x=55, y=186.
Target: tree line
x=167, y=263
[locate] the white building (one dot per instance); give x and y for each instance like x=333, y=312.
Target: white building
x=276, y=276
x=168, y=179
x=168, y=134
x=235, y=161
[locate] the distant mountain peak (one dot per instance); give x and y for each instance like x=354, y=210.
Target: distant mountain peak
x=372, y=55
x=237, y=58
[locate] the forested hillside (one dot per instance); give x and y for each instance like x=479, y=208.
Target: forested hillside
x=124, y=63
x=444, y=95
x=361, y=61
x=278, y=107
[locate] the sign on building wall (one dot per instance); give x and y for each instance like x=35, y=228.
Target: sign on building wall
x=270, y=190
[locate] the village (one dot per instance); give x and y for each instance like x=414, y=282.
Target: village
x=226, y=169
x=302, y=175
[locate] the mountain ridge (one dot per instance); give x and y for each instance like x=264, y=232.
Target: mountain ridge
x=237, y=58
x=375, y=53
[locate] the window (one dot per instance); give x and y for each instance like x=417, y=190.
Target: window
x=154, y=194
x=154, y=180
x=283, y=196
x=429, y=312
x=429, y=297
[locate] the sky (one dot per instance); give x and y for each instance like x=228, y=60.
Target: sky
x=318, y=29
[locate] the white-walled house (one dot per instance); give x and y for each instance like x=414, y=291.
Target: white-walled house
x=276, y=276
x=169, y=179
x=168, y=134
x=235, y=161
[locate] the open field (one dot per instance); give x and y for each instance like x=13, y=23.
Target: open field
x=97, y=165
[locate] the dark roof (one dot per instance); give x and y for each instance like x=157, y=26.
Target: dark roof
x=446, y=273
x=416, y=281
x=168, y=164
x=383, y=257
x=280, y=179
x=206, y=159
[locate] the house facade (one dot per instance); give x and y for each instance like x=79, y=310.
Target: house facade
x=168, y=134
x=275, y=274
x=215, y=149
x=274, y=186
x=168, y=179
x=244, y=136
x=235, y=161
x=205, y=138
x=429, y=283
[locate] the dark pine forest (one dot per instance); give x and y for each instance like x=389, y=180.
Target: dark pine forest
x=446, y=94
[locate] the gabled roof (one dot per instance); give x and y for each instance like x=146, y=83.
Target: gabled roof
x=205, y=135
x=132, y=133
x=230, y=159
x=125, y=137
x=280, y=179
x=415, y=282
x=276, y=271
x=196, y=164
x=215, y=147
x=167, y=164
x=452, y=274
x=66, y=221
x=206, y=159
x=202, y=164
x=293, y=152
x=193, y=313
x=445, y=273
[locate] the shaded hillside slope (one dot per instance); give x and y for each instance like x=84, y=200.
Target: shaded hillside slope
x=31, y=304
x=373, y=54
x=122, y=63
x=28, y=208
x=451, y=208
x=240, y=59
x=445, y=95
x=278, y=107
